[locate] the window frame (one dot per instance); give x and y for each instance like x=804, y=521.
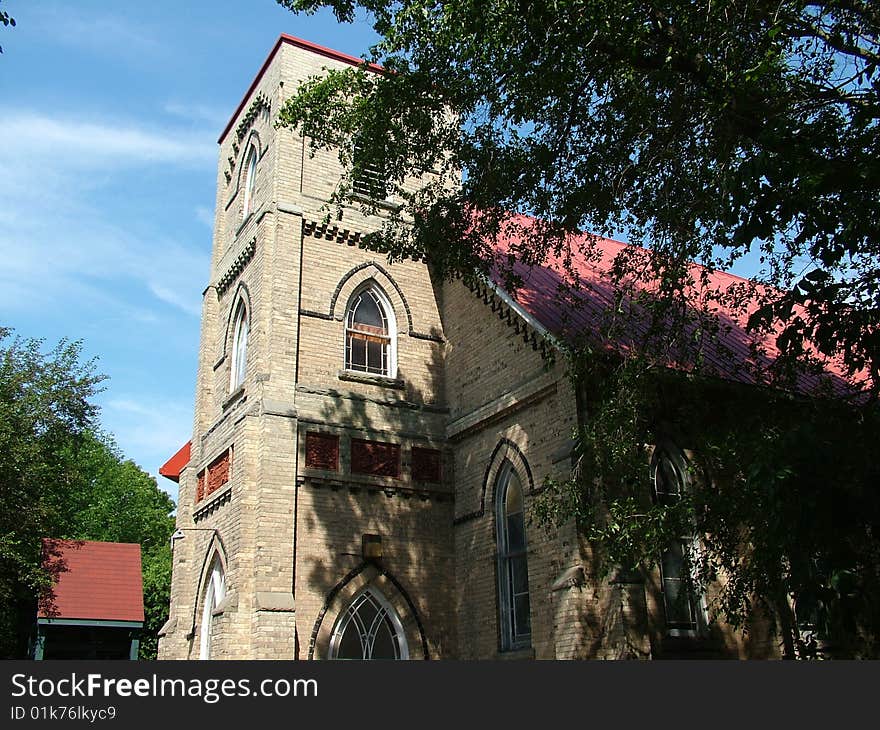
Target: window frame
x=688, y=545
x=250, y=180
x=390, y=337
x=241, y=325
x=508, y=620
x=215, y=592
x=385, y=611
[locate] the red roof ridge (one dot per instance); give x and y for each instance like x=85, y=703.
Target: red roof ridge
x=299, y=43
x=79, y=541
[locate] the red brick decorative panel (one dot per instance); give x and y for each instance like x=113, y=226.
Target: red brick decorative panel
x=218, y=471
x=322, y=451
x=200, y=487
x=425, y=465
x=215, y=476
x=375, y=458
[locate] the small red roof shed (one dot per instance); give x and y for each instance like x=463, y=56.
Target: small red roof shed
x=95, y=608
x=101, y=581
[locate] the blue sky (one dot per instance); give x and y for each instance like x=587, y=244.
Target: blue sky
x=109, y=122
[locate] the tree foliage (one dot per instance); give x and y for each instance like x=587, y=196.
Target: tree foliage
x=45, y=414
x=118, y=502
x=704, y=132
x=7, y=20
x=61, y=478
x=782, y=494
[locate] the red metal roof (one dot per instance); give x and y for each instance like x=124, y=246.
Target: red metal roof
x=299, y=43
x=571, y=295
x=93, y=580
x=171, y=469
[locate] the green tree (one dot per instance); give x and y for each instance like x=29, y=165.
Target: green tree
x=45, y=415
x=59, y=477
x=7, y=20
x=704, y=132
x=119, y=502
x=701, y=130
x=782, y=496
x=157, y=598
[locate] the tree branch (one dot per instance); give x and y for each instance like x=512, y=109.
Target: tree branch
x=837, y=43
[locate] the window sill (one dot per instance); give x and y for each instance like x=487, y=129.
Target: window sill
x=244, y=222
x=684, y=633
x=695, y=646
x=514, y=654
x=367, y=200
x=383, y=381
x=235, y=396
x=207, y=504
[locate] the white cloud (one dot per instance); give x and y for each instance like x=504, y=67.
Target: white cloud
x=66, y=141
x=161, y=428
x=102, y=34
x=214, y=116
x=176, y=298
x=87, y=242
x=83, y=259
x=61, y=242
x=155, y=430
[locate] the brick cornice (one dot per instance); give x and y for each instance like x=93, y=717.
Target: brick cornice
x=357, y=484
x=331, y=232
x=237, y=266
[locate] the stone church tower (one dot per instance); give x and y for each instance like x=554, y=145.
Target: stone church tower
x=367, y=440
x=319, y=415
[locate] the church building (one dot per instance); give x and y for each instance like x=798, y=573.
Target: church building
x=367, y=441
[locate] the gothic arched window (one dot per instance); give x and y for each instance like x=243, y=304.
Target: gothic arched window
x=250, y=179
x=513, y=570
x=215, y=591
x=682, y=605
x=240, y=331
x=370, y=333
x=369, y=629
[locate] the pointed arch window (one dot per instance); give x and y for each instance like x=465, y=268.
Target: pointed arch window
x=513, y=570
x=682, y=605
x=215, y=592
x=250, y=180
x=240, y=332
x=369, y=629
x=370, y=334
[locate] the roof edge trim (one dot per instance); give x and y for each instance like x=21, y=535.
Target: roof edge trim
x=523, y=314
x=171, y=469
